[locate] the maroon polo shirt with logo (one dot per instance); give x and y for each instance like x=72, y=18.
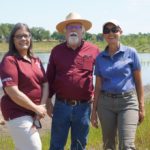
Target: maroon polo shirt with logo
x=70, y=72
x=28, y=76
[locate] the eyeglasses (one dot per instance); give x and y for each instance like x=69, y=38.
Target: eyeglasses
x=113, y=30
x=20, y=36
x=71, y=27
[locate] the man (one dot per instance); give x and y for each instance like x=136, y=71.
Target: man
x=69, y=74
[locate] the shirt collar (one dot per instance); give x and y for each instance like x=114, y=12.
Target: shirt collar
x=120, y=49
x=78, y=48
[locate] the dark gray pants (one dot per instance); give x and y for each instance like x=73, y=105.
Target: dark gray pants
x=118, y=114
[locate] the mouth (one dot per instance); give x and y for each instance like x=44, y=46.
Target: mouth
x=74, y=34
x=111, y=38
x=23, y=44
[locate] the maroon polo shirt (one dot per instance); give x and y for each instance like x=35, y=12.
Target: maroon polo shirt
x=29, y=77
x=70, y=72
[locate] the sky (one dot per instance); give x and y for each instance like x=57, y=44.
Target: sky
x=133, y=15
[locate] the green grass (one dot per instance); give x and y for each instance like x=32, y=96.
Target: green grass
x=43, y=46
x=38, y=47
x=143, y=131
x=95, y=137
x=6, y=142
x=46, y=46
x=3, y=47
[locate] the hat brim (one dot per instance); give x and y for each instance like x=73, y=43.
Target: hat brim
x=61, y=26
x=112, y=21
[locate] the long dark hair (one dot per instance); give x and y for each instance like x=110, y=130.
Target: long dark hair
x=12, y=48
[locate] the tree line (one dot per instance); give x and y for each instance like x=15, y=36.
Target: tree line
x=140, y=41
x=38, y=33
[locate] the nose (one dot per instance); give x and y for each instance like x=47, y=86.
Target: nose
x=23, y=37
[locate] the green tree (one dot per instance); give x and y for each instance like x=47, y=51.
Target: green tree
x=57, y=36
x=5, y=30
x=40, y=34
x=88, y=36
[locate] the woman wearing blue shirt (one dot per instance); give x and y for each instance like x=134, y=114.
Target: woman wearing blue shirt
x=119, y=98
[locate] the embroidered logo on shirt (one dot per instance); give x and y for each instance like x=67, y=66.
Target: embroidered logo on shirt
x=6, y=79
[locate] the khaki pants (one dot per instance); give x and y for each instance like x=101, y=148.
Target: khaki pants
x=118, y=114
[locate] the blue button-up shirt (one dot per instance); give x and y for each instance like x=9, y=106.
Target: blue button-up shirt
x=117, y=71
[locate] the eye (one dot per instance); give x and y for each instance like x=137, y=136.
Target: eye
x=106, y=31
x=20, y=36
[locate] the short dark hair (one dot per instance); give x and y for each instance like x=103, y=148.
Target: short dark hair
x=12, y=48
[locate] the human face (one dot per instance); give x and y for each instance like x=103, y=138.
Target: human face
x=112, y=34
x=22, y=41
x=74, y=34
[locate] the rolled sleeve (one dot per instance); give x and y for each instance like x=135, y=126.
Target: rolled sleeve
x=9, y=72
x=96, y=71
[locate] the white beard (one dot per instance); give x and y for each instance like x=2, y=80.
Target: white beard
x=73, y=40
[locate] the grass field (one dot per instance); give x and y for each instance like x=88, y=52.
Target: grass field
x=95, y=137
x=39, y=47
x=46, y=46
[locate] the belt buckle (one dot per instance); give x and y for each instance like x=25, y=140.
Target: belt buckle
x=73, y=102
x=114, y=96
x=110, y=95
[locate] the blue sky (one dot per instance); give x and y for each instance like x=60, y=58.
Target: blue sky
x=134, y=15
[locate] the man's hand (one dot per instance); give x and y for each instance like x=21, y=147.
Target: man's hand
x=2, y=122
x=94, y=119
x=49, y=107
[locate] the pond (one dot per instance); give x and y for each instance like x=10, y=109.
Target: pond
x=144, y=58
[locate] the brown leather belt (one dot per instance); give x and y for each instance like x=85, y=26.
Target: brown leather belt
x=71, y=101
x=117, y=95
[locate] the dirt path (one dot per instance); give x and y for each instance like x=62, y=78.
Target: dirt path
x=46, y=125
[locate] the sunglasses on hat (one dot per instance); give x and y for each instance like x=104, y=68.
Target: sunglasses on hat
x=113, y=30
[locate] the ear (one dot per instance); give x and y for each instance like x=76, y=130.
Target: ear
x=121, y=32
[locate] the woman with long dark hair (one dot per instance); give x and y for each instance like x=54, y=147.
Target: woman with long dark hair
x=25, y=89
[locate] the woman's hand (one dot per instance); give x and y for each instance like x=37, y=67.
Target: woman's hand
x=94, y=119
x=141, y=114
x=41, y=110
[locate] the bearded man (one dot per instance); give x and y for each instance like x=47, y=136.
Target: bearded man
x=70, y=77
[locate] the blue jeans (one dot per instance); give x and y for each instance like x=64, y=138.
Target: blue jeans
x=65, y=117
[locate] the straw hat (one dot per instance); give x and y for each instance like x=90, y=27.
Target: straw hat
x=73, y=17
